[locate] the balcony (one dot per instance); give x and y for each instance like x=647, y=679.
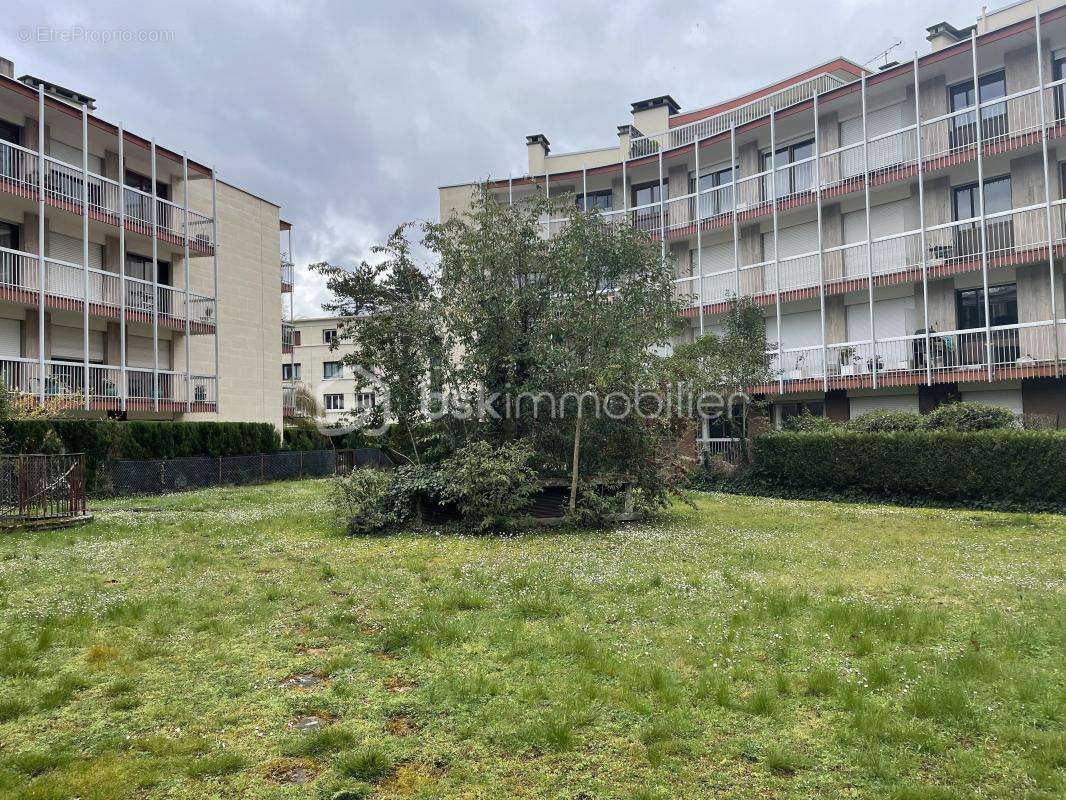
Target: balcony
x=108, y=202
x=1006, y=352
x=288, y=273
x=287, y=337
x=107, y=388
x=65, y=285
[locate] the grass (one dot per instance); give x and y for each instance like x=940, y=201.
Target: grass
x=747, y=648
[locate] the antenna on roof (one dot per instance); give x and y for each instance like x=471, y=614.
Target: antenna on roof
x=884, y=53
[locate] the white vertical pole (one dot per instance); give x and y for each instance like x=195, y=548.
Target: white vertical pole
x=821, y=258
x=736, y=224
x=981, y=199
x=188, y=267
x=777, y=260
x=124, y=391
x=40, y=243
x=85, y=248
x=155, y=287
x=699, y=236
x=662, y=210
x=625, y=189
x=869, y=237
x=921, y=222
x=584, y=190
x=218, y=300
x=1047, y=197
x=510, y=201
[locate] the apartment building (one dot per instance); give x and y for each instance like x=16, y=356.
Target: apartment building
x=134, y=283
x=903, y=228
x=315, y=365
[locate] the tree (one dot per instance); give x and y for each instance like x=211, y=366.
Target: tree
x=727, y=367
x=390, y=316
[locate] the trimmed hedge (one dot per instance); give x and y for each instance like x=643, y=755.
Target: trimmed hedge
x=102, y=440
x=994, y=467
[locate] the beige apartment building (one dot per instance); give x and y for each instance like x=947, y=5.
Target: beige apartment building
x=902, y=227
x=313, y=364
x=134, y=283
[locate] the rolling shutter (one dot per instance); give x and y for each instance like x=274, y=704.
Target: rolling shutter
x=887, y=402
x=67, y=343
x=794, y=241
x=139, y=352
x=892, y=318
x=10, y=338
x=717, y=258
x=799, y=330
x=1010, y=399
x=68, y=248
x=72, y=156
x=883, y=152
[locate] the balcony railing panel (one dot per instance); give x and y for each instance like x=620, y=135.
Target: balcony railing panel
x=18, y=169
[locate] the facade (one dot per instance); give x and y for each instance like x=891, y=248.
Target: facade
x=903, y=232
x=318, y=368
x=133, y=282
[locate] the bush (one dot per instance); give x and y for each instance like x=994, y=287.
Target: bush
x=808, y=423
x=412, y=485
x=298, y=439
x=991, y=467
x=362, y=501
x=489, y=485
x=969, y=417
x=883, y=421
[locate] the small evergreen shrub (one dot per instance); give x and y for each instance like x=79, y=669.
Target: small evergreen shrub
x=884, y=421
x=969, y=417
x=489, y=485
x=809, y=423
x=362, y=501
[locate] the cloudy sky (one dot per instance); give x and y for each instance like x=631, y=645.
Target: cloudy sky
x=350, y=114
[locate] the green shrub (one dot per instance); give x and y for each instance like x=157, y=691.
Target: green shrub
x=883, y=421
x=362, y=501
x=809, y=423
x=412, y=485
x=997, y=467
x=298, y=439
x=489, y=485
x=969, y=417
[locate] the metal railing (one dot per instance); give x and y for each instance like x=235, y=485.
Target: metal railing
x=36, y=487
x=288, y=270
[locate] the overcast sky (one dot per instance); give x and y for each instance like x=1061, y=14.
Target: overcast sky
x=350, y=114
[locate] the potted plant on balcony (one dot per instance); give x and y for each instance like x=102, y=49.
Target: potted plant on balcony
x=797, y=372
x=871, y=361
x=847, y=361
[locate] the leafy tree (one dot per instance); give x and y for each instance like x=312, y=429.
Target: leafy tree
x=390, y=314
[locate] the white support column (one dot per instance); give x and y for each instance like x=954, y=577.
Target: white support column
x=510, y=199
x=124, y=390
x=869, y=238
x=40, y=244
x=625, y=190
x=85, y=249
x=662, y=211
x=821, y=253
x=218, y=298
x=921, y=222
x=1047, y=198
x=777, y=255
x=155, y=286
x=188, y=267
x=736, y=224
x=981, y=199
x=584, y=190
x=699, y=236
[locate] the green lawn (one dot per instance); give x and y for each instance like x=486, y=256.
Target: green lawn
x=750, y=648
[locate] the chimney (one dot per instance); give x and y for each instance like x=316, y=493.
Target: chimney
x=944, y=34
x=653, y=115
x=538, y=147
x=626, y=133
x=7, y=67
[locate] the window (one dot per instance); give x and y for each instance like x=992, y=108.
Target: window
x=334, y=402
x=9, y=236
x=716, y=191
x=999, y=231
x=290, y=372
x=596, y=200
x=786, y=411
x=364, y=401
x=1058, y=72
x=648, y=193
x=1002, y=306
x=790, y=179
x=331, y=369
x=963, y=131
x=139, y=295
x=329, y=335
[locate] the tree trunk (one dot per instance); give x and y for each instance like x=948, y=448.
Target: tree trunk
x=577, y=456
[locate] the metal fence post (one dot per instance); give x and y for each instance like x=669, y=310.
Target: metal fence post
x=220, y=470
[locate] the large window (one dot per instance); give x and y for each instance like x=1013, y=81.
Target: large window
x=331, y=369
x=139, y=295
x=334, y=402
x=1002, y=306
x=966, y=205
x=788, y=176
x=715, y=191
x=329, y=335
x=963, y=131
x=647, y=193
x=290, y=372
x=599, y=200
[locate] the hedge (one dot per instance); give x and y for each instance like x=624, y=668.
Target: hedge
x=102, y=440
x=996, y=467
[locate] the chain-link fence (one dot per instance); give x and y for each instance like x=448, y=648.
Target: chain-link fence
x=160, y=476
